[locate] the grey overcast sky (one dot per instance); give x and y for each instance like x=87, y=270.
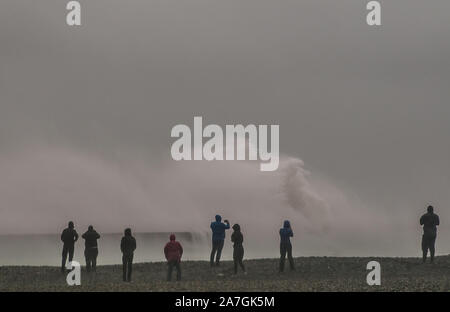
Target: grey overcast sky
x=366, y=108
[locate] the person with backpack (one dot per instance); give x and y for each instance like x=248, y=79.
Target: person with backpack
x=91, y=248
x=173, y=252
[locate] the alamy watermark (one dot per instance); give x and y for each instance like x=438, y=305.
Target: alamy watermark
x=73, y=17
x=241, y=142
x=374, y=276
x=74, y=276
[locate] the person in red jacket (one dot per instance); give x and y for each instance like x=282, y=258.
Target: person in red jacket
x=173, y=252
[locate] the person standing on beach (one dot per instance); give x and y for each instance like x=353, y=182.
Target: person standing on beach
x=285, y=245
x=173, y=252
x=69, y=236
x=238, y=250
x=127, y=246
x=430, y=221
x=218, y=238
x=90, y=248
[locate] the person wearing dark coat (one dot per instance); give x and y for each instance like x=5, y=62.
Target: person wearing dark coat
x=285, y=245
x=218, y=238
x=238, y=249
x=127, y=246
x=69, y=236
x=430, y=221
x=91, y=248
x=173, y=252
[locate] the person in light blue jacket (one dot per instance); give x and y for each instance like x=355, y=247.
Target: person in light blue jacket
x=218, y=237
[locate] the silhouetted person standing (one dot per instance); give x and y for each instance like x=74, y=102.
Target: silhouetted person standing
x=238, y=249
x=173, y=252
x=218, y=237
x=127, y=246
x=285, y=245
x=69, y=236
x=430, y=221
x=90, y=248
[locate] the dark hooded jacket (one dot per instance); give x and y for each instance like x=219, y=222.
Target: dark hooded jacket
x=128, y=243
x=69, y=236
x=90, y=238
x=218, y=229
x=173, y=250
x=429, y=221
x=237, y=238
x=286, y=233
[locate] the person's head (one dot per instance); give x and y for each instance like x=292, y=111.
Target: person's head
x=71, y=226
x=172, y=237
x=90, y=228
x=218, y=218
x=430, y=209
x=236, y=227
x=127, y=232
x=286, y=224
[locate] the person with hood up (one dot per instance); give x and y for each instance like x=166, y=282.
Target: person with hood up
x=238, y=250
x=285, y=245
x=173, y=252
x=127, y=246
x=91, y=248
x=218, y=237
x=69, y=236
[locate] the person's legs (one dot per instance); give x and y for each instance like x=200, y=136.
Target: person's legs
x=178, y=267
x=213, y=252
x=88, y=260
x=238, y=255
x=424, y=248
x=235, y=259
x=94, y=259
x=431, y=246
x=219, y=251
x=64, y=258
x=283, y=251
x=169, y=270
x=241, y=259
x=130, y=267
x=242, y=265
x=291, y=260
x=124, y=267
x=71, y=251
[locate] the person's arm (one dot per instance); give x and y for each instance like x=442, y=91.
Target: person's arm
x=181, y=250
x=134, y=244
x=291, y=233
x=166, y=250
x=437, y=220
x=62, y=235
x=97, y=235
x=227, y=224
x=422, y=219
x=75, y=236
x=84, y=235
x=122, y=245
